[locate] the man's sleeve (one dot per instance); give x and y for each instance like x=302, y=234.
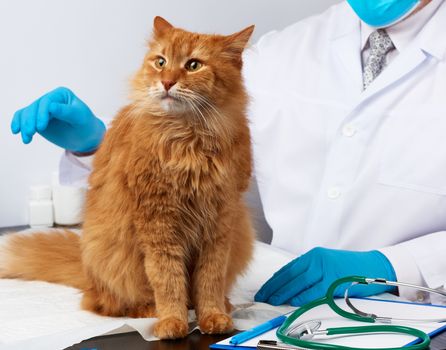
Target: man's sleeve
x=420, y=261
x=74, y=170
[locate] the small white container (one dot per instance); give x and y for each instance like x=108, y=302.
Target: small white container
x=40, y=207
x=68, y=203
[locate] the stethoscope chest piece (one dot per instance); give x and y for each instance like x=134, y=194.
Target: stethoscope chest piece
x=306, y=330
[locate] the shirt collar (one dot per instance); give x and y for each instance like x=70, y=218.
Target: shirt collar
x=402, y=33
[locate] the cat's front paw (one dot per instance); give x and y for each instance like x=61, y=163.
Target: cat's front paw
x=171, y=328
x=216, y=323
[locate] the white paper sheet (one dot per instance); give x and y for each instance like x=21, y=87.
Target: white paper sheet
x=39, y=315
x=382, y=308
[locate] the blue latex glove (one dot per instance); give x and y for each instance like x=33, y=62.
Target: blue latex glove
x=309, y=276
x=63, y=119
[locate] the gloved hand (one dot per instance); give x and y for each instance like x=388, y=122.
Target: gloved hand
x=309, y=276
x=63, y=119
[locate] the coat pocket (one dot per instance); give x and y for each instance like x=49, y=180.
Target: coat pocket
x=414, y=156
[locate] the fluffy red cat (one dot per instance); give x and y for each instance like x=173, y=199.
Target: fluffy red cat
x=166, y=227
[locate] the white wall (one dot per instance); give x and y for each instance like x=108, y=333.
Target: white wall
x=93, y=46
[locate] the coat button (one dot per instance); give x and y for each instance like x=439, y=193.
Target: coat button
x=348, y=130
x=333, y=193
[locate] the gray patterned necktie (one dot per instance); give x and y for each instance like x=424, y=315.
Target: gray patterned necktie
x=380, y=45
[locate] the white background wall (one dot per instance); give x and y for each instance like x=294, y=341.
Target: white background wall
x=93, y=46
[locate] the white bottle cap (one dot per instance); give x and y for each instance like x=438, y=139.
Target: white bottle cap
x=37, y=193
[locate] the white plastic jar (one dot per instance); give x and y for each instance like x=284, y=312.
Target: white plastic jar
x=40, y=207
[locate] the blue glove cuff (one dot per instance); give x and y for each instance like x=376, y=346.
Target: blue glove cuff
x=93, y=139
x=390, y=271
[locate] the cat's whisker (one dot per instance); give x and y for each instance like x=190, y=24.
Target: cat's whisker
x=189, y=99
x=199, y=108
x=198, y=112
x=199, y=99
x=194, y=109
x=212, y=111
x=202, y=99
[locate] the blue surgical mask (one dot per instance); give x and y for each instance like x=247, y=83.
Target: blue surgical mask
x=383, y=13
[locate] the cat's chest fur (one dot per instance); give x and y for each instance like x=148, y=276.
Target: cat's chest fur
x=191, y=162
x=180, y=170
x=185, y=178
x=185, y=166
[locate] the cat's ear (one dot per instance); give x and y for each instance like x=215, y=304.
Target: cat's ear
x=237, y=42
x=160, y=25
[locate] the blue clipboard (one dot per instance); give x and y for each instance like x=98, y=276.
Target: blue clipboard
x=431, y=334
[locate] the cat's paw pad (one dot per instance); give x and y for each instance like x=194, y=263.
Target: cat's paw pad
x=171, y=328
x=217, y=323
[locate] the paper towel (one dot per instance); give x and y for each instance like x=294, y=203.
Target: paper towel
x=41, y=316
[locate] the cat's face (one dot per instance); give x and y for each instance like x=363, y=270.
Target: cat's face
x=189, y=73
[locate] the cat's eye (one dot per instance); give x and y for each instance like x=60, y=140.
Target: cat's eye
x=193, y=65
x=160, y=62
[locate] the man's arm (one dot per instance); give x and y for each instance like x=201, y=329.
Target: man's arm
x=65, y=120
x=420, y=261
x=74, y=169
x=308, y=277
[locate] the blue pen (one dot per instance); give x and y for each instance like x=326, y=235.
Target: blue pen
x=258, y=330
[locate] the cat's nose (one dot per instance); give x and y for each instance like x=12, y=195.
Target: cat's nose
x=168, y=84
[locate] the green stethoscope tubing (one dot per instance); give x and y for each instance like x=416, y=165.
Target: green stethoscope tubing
x=329, y=299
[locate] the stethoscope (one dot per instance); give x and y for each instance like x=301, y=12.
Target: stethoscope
x=301, y=335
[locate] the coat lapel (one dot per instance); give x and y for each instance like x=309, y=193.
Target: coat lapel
x=403, y=65
x=346, y=49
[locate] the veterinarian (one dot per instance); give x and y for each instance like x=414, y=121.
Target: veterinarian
x=348, y=121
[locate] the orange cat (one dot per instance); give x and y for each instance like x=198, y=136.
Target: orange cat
x=165, y=226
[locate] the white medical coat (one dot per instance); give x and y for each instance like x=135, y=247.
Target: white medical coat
x=344, y=168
